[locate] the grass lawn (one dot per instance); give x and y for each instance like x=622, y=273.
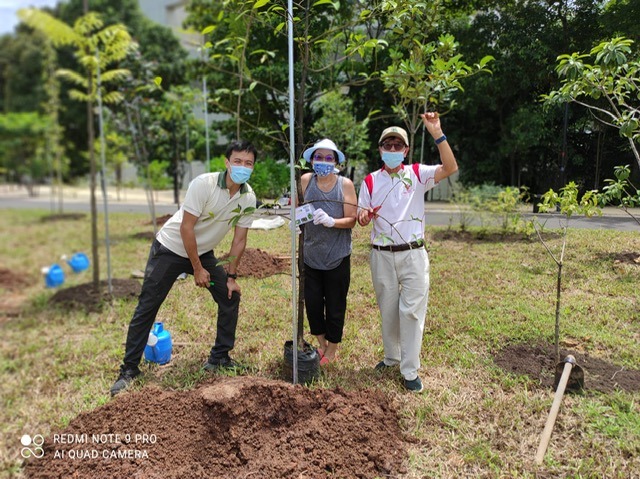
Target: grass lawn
x=473, y=419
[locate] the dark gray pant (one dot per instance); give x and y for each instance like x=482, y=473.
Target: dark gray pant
x=325, y=298
x=163, y=268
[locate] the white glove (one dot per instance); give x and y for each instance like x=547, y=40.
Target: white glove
x=293, y=227
x=322, y=218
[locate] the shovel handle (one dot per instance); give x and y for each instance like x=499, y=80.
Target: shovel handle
x=553, y=413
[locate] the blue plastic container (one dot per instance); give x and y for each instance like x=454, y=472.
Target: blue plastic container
x=53, y=276
x=78, y=262
x=159, y=345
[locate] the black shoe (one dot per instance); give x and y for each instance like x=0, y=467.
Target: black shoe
x=222, y=363
x=124, y=381
x=415, y=386
x=381, y=366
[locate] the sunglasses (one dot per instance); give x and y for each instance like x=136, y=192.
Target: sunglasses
x=392, y=146
x=329, y=158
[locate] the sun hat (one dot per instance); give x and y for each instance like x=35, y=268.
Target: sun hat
x=395, y=131
x=323, y=144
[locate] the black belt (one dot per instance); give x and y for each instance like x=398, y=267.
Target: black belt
x=398, y=247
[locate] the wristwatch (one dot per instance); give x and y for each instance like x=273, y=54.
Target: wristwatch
x=232, y=275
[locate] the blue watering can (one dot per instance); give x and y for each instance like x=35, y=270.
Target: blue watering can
x=53, y=275
x=159, y=345
x=78, y=262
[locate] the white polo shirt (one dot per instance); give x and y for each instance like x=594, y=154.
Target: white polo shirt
x=401, y=200
x=208, y=198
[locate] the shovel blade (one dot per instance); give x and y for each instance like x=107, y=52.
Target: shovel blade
x=576, y=376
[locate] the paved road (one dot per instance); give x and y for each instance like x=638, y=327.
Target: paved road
x=78, y=200
x=612, y=218
x=134, y=201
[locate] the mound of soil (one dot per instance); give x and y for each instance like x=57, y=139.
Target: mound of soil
x=260, y=264
x=239, y=427
x=87, y=297
x=539, y=362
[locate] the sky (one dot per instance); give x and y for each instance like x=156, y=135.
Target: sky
x=9, y=8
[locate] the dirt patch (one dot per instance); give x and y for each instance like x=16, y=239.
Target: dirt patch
x=87, y=297
x=150, y=235
x=144, y=235
x=240, y=427
x=260, y=264
x=63, y=217
x=11, y=281
x=539, y=362
x=160, y=220
x=482, y=236
x=627, y=257
x=12, y=297
x=255, y=263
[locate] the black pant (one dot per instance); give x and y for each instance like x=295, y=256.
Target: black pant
x=163, y=268
x=325, y=298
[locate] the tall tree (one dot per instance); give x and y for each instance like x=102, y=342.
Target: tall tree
x=246, y=47
x=54, y=150
x=525, y=38
x=96, y=47
x=21, y=61
x=22, y=144
x=609, y=87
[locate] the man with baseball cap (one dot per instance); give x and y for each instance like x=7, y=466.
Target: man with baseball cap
x=394, y=131
x=393, y=199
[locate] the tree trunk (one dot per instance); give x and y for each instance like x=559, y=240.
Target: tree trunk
x=92, y=175
x=557, y=329
x=94, y=209
x=176, y=167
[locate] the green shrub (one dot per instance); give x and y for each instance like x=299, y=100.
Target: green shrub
x=491, y=204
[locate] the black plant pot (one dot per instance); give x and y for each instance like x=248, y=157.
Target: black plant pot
x=308, y=363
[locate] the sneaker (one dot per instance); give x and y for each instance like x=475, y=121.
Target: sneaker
x=382, y=366
x=415, y=385
x=124, y=381
x=222, y=363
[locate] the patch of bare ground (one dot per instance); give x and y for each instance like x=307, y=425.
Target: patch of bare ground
x=539, y=362
x=234, y=427
x=87, y=297
x=12, y=298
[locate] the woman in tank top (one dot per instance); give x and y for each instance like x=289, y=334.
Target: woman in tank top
x=327, y=246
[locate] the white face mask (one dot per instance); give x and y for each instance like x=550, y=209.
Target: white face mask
x=392, y=159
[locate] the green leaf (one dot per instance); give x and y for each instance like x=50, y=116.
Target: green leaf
x=323, y=2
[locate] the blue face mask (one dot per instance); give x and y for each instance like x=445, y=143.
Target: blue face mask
x=392, y=159
x=323, y=168
x=240, y=174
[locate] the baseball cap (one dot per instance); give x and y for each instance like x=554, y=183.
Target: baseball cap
x=394, y=131
x=324, y=144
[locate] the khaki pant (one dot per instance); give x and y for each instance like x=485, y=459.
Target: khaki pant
x=401, y=282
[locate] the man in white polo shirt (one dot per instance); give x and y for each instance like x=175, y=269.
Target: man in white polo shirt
x=393, y=198
x=185, y=244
